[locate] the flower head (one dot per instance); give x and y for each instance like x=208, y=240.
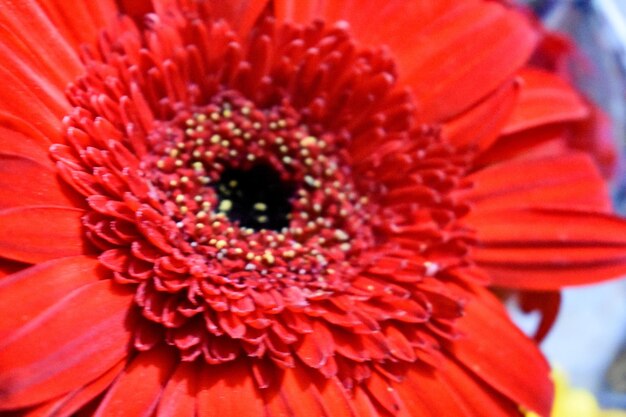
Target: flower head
x=284, y=208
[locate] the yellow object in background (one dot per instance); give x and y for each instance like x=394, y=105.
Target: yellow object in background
x=572, y=402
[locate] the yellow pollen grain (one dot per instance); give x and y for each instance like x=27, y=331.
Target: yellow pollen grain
x=308, y=141
x=199, y=142
x=201, y=215
x=269, y=258
x=196, y=154
x=216, y=224
x=221, y=244
x=245, y=111
x=199, y=225
x=238, y=251
x=227, y=113
x=215, y=116
x=180, y=198
x=173, y=183
x=215, y=139
x=249, y=256
x=201, y=118
x=184, y=179
x=225, y=143
x=183, y=209
x=247, y=136
x=174, y=153
x=160, y=164
x=200, y=129
x=225, y=205
x=279, y=140
x=282, y=123
x=190, y=122
x=341, y=235
x=262, y=219
x=260, y=206
x=178, y=163
x=283, y=149
x=287, y=160
x=197, y=165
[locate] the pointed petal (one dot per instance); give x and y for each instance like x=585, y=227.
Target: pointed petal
x=481, y=125
x=83, y=395
x=52, y=281
x=545, y=98
x=568, y=180
x=71, y=343
x=546, y=249
x=39, y=233
x=296, y=395
x=515, y=367
x=79, y=23
x=222, y=388
x=478, y=397
x=23, y=140
x=424, y=392
x=137, y=390
x=179, y=396
x=449, y=74
x=25, y=181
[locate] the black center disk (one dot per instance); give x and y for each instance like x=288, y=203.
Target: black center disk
x=257, y=198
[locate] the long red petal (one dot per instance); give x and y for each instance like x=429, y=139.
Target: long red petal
x=545, y=98
x=137, y=390
x=24, y=181
x=425, y=393
x=39, y=233
x=514, y=366
x=223, y=388
x=82, y=396
x=570, y=180
x=477, y=396
x=67, y=346
x=546, y=249
x=34, y=289
x=179, y=396
x=481, y=125
x=449, y=74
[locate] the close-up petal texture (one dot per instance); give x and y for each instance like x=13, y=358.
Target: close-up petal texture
x=286, y=208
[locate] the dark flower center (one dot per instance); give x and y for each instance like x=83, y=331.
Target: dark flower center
x=256, y=198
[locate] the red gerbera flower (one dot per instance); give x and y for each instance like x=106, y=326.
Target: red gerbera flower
x=253, y=208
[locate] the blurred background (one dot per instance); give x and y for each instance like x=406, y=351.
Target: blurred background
x=588, y=341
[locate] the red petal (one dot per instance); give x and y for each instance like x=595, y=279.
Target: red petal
x=499, y=354
x=449, y=74
x=79, y=23
x=179, y=396
x=71, y=343
x=429, y=41
x=28, y=182
x=82, y=396
x=21, y=139
x=478, y=397
x=546, y=249
x=52, y=281
x=545, y=98
x=570, y=180
x=241, y=14
x=137, y=390
x=547, y=303
x=424, y=393
x=482, y=124
x=39, y=233
x=228, y=390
